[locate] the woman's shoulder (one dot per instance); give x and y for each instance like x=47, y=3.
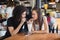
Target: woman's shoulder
x=44, y=17
x=8, y=8
x=11, y=19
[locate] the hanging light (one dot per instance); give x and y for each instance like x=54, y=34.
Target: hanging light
x=12, y=0
x=45, y=6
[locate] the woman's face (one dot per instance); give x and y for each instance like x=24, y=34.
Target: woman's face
x=34, y=15
x=24, y=14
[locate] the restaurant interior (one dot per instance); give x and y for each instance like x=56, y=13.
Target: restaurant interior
x=46, y=6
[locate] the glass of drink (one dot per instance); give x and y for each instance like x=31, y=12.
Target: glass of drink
x=29, y=28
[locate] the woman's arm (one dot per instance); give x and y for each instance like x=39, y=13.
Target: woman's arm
x=41, y=31
x=15, y=31
x=45, y=24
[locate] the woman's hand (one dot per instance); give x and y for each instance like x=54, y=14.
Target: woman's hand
x=23, y=20
x=30, y=21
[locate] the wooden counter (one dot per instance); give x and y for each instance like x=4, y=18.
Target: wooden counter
x=34, y=37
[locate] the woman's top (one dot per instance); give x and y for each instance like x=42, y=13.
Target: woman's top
x=14, y=23
x=36, y=26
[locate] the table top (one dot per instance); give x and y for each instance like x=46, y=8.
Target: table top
x=34, y=37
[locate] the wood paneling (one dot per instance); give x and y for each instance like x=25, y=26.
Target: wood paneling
x=58, y=22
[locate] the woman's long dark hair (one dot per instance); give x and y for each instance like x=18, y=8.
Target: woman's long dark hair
x=40, y=18
x=17, y=12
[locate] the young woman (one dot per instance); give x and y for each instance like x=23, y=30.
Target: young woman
x=39, y=22
x=17, y=23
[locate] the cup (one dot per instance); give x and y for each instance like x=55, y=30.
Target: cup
x=29, y=28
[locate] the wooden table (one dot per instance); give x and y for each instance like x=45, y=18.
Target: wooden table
x=34, y=37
